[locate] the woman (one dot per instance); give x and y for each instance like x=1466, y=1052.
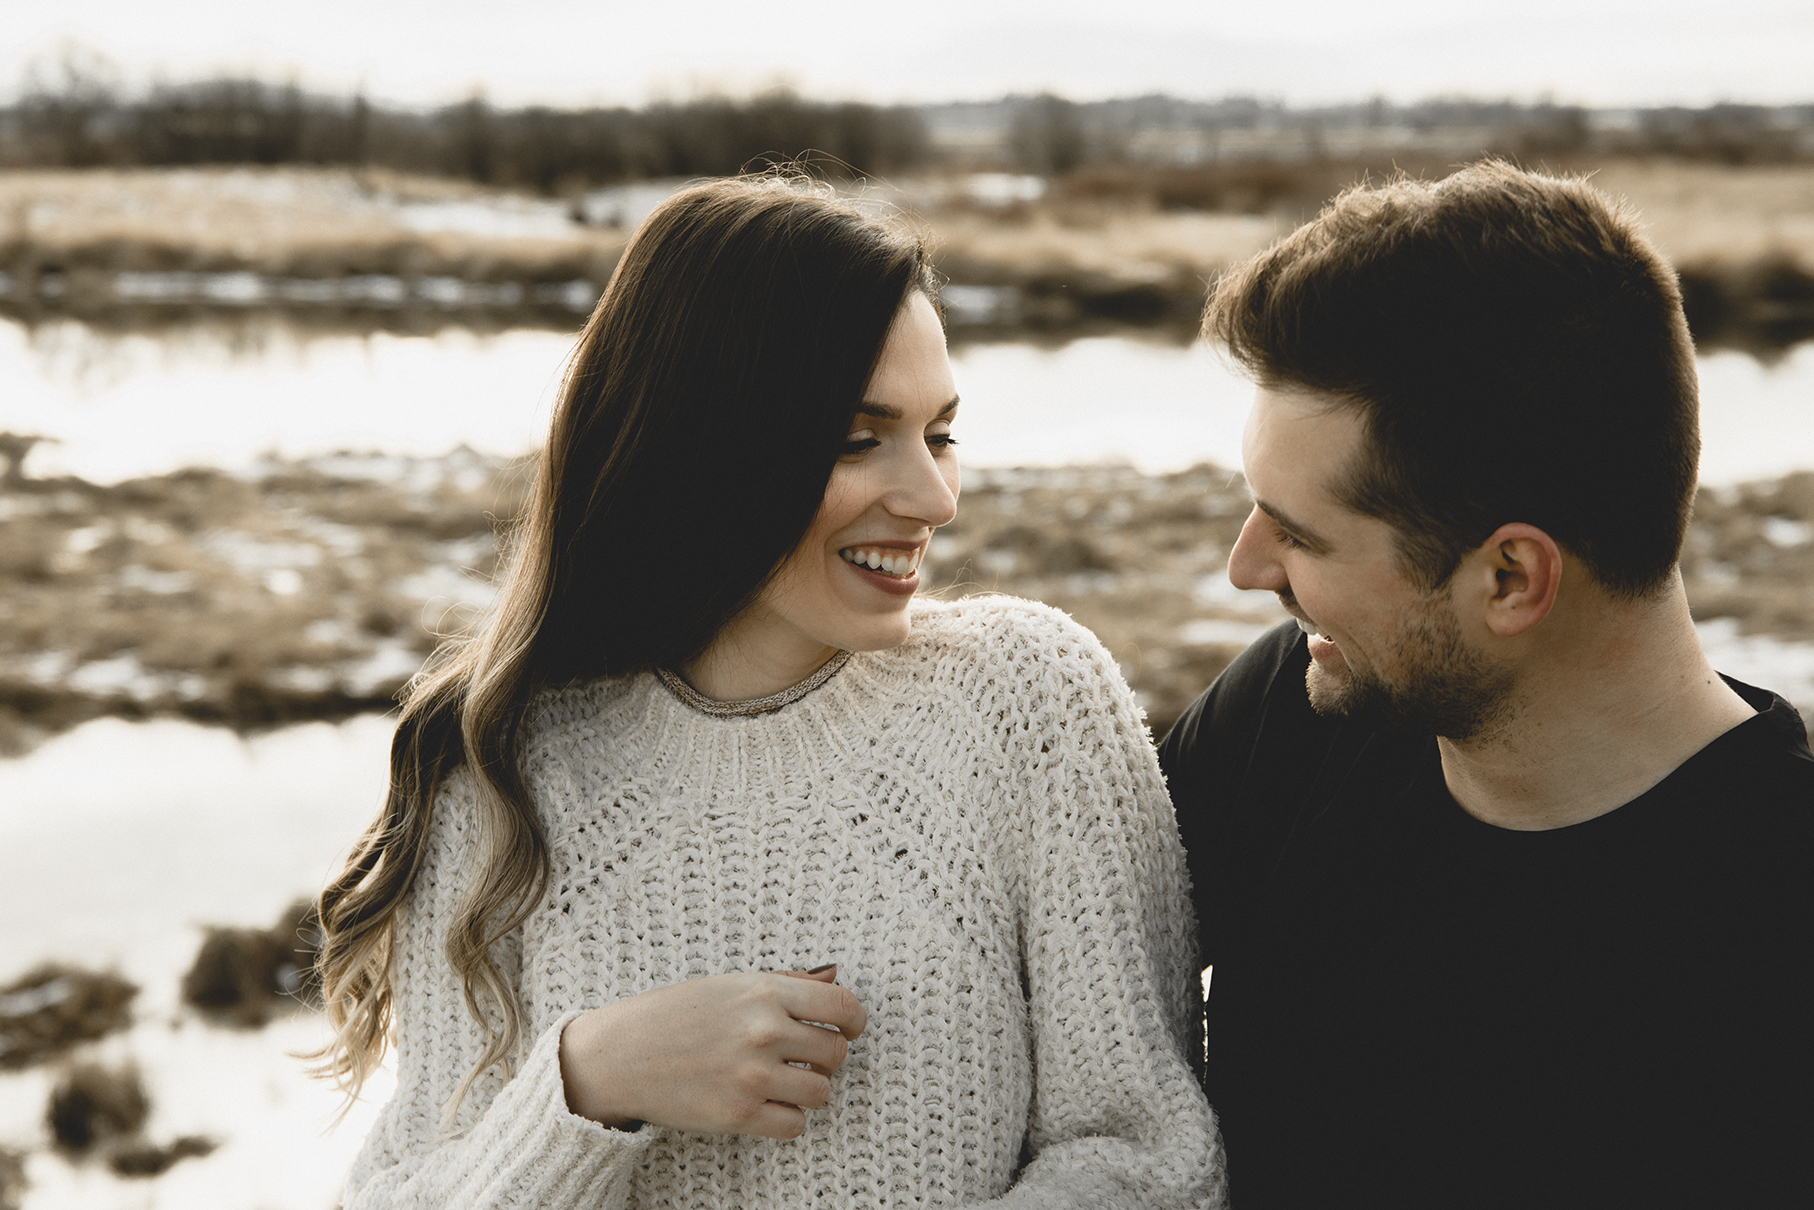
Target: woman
x=719, y=871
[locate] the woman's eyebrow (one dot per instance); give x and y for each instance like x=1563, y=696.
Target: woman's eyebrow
x=886, y=411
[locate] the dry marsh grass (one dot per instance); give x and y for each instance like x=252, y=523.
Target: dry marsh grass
x=300, y=222
x=1129, y=244
x=1707, y=214
x=1697, y=212
x=1741, y=236
x=1121, y=245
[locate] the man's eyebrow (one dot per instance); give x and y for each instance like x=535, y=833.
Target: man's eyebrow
x=1309, y=537
x=883, y=411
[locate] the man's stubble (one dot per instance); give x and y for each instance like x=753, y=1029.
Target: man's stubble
x=1439, y=687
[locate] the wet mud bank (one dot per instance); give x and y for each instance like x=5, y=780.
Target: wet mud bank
x=1761, y=306
x=311, y=590
x=315, y=588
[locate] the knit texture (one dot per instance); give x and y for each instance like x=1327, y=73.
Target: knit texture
x=972, y=825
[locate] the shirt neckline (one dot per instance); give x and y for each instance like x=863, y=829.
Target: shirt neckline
x=1774, y=719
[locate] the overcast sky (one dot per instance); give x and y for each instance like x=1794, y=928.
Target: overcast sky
x=1597, y=52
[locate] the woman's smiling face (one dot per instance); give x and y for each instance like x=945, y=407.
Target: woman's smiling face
x=849, y=581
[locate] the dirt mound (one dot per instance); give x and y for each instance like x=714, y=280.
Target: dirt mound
x=12, y=1180
x=100, y=1110
x=240, y=975
x=142, y=1159
x=53, y=1008
x=93, y=1104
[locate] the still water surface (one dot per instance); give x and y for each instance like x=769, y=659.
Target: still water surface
x=129, y=404
x=118, y=842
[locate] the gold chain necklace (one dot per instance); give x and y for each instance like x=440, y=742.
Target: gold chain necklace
x=754, y=705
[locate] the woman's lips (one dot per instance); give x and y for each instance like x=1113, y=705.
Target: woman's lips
x=899, y=561
x=900, y=586
x=893, y=569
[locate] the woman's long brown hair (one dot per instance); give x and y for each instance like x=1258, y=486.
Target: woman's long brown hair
x=704, y=408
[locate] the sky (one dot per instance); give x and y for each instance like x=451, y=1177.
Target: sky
x=571, y=52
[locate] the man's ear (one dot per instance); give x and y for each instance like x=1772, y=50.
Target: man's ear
x=1525, y=566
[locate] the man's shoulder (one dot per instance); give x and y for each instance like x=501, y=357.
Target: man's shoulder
x=1761, y=771
x=1262, y=688
x=1251, y=754
x=1251, y=751
x=1778, y=727
x=1280, y=651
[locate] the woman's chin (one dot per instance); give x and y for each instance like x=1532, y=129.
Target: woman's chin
x=878, y=632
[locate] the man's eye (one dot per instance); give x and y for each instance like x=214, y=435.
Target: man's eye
x=1287, y=539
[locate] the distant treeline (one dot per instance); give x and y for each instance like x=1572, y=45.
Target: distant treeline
x=83, y=120
x=244, y=121
x=1052, y=134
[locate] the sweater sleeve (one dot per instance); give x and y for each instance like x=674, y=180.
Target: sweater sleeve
x=1108, y=943
x=514, y=1142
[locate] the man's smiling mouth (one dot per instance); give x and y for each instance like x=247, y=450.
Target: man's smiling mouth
x=1289, y=601
x=1310, y=629
x=897, y=563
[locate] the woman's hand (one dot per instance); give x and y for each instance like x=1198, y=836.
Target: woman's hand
x=713, y=1055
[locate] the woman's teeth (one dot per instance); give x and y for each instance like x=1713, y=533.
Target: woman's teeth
x=897, y=563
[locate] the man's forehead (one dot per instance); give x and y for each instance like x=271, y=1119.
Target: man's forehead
x=1297, y=441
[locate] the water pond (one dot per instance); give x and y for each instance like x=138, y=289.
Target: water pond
x=124, y=404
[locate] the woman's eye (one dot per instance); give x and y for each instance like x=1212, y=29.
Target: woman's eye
x=858, y=443
x=940, y=440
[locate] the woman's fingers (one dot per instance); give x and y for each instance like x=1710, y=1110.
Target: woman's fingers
x=824, y=1049
x=824, y=1004
x=776, y=1121
x=824, y=974
x=797, y=1086
x=739, y=1053
x=774, y=1097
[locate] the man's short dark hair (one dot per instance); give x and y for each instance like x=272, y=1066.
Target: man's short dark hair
x=1517, y=351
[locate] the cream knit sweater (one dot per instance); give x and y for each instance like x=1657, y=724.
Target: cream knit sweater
x=971, y=825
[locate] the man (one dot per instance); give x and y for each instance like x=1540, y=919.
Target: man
x=1505, y=889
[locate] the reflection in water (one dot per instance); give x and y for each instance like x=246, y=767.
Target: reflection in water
x=1757, y=418
x=122, y=837
x=124, y=404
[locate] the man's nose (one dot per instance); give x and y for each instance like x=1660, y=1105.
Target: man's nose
x=1254, y=563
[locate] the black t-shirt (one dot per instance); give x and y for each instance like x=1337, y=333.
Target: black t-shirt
x=1416, y=1009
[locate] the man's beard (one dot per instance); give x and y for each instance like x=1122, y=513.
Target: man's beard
x=1441, y=686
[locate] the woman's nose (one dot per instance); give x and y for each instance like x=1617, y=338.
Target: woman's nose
x=1253, y=563
x=924, y=488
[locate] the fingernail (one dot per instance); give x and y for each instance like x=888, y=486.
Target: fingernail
x=819, y=970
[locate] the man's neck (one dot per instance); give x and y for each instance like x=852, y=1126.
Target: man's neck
x=1598, y=718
